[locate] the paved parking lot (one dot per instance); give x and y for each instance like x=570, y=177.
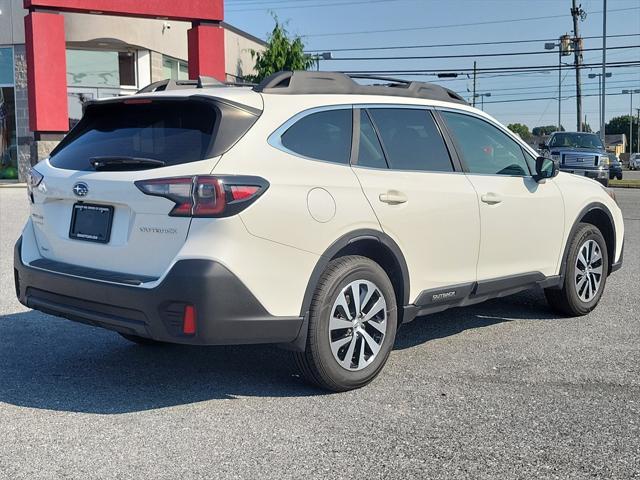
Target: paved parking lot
x=500, y=390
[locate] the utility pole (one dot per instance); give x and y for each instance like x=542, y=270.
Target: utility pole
x=604, y=70
x=578, y=14
x=474, y=83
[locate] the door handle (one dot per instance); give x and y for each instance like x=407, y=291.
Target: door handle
x=491, y=198
x=393, y=197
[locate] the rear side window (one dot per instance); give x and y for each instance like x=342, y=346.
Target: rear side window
x=321, y=136
x=370, y=152
x=411, y=140
x=174, y=132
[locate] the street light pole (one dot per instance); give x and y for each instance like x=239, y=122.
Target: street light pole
x=638, y=132
x=551, y=46
x=481, y=96
x=601, y=93
x=560, y=87
x=323, y=56
x=630, y=92
x=604, y=71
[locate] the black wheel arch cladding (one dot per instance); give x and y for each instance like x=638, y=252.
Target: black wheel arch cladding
x=372, y=244
x=598, y=215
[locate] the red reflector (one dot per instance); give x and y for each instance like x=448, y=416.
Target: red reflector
x=138, y=101
x=189, y=320
x=240, y=192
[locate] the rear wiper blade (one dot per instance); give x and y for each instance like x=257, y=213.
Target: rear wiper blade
x=124, y=163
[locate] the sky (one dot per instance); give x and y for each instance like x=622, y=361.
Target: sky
x=330, y=25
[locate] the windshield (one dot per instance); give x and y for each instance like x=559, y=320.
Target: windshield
x=576, y=140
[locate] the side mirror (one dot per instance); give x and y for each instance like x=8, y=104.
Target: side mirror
x=546, y=168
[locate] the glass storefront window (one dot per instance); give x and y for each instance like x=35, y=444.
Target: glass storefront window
x=6, y=66
x=127, y=68
x=92, y=68
x=175, y=69
x=8, y=147
x=8, y=150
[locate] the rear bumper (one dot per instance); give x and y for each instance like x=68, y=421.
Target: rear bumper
x=227, y=312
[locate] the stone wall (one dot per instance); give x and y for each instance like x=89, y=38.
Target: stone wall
x=24, y=135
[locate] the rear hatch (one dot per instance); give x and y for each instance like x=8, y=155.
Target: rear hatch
x=88, y=212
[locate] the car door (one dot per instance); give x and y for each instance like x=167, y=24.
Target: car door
x=522, y=221
x=422, y=202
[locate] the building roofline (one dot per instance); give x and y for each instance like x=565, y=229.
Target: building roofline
x=242, y=33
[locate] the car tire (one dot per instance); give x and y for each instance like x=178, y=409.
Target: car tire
x=334, y=358
x=619, y=176
x=581, y=292
x=140, y=340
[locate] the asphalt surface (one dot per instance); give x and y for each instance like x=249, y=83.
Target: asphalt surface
x=499, y=390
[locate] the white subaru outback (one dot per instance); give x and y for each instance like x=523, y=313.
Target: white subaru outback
x=310, y=211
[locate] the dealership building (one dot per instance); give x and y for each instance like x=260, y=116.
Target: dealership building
x=57, y=54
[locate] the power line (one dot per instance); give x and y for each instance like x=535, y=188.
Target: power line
x=475, y=55
x=538, y=68
x=454, y=25
x=548, y=98
x=537, y=87
x=311, y=5
x=497, y=91
x=469, y=44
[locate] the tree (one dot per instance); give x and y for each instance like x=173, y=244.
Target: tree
x=621, y=125
x=521, y=130
x=281, y=53
x=545, y=130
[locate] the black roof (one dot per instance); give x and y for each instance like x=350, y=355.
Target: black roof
x=304, y=82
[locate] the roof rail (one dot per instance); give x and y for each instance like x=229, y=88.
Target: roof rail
x=162, y=85
x=303, y=82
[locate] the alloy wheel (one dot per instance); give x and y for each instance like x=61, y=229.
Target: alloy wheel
x=589, y=270
x=358, y=325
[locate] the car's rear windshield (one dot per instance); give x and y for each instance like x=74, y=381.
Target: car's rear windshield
x=576, y=140
x=173, y=132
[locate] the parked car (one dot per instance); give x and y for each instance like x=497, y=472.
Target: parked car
x=580, y=153
x=634, y=161
x=615, y=167
x=309, y=211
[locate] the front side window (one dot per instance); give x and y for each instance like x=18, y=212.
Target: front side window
x=484, y=148
x=411, y=140
x=322, y=136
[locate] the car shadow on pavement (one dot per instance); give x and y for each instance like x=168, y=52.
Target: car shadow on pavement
x=54, y=364
x=529, y=305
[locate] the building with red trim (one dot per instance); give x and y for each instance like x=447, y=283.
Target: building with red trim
x=56, y=54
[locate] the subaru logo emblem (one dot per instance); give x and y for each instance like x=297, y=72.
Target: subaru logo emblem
x=81, y=189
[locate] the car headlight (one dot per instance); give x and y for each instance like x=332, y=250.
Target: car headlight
x=605, y=161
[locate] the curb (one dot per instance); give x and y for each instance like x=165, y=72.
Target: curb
x=625, y=186
x=13, y=185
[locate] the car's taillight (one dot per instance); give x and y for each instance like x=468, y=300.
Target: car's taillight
x=206, y=195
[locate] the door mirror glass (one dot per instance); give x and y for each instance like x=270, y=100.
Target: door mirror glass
x=546, y=168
